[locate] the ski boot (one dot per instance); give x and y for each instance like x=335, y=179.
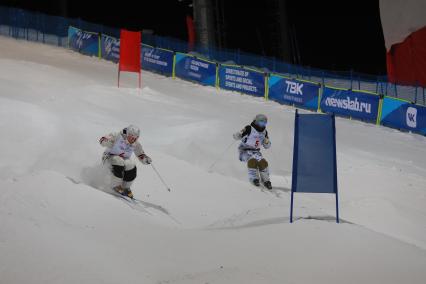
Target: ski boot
x=256, y=182
x=119, y=190
x=268, y=184
x=127, y=192
x=123, y=191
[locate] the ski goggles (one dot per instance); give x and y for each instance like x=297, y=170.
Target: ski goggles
x=262, y=123
x=132, y=138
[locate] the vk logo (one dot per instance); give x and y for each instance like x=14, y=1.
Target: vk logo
x=411, y=117
x=294, y=88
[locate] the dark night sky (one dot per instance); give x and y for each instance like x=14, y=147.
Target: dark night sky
x=337, y=35
x=341, y=35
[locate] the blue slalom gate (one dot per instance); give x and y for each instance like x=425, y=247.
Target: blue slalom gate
x=314, y=156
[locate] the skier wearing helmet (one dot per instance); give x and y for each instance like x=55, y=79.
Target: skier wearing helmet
x=252, y=137
x=120, y=147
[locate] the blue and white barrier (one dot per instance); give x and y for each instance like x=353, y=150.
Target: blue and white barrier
x=300, y=93
x=191, y=68
x=401, y=114
x=110, y=48
x=83, y=42
x=243, y=80
x=157, y=60
x=350, y=103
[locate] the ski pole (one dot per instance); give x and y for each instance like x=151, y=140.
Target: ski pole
x=159, y=176
x=221, y=155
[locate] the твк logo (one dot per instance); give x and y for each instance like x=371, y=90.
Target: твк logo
x=411, y=117
x=294, y=88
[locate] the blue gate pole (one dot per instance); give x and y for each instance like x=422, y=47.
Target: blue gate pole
x=337, y=208
x=333, y=118
x=291, y=207
x=295, y=149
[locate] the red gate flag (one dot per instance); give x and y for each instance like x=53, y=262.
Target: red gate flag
x=130, y=53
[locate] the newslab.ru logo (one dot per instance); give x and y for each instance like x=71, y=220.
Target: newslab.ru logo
x=411, y=117
x=353, y=105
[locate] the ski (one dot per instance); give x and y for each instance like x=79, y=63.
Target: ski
x=133, y=203
x=123, y=197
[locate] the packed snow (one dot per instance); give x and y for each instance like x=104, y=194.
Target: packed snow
x=59, y=225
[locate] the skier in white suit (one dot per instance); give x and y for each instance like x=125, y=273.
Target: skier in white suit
x=120, y=147
x=252, y=137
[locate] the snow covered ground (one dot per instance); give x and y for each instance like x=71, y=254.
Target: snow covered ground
x=57, y=225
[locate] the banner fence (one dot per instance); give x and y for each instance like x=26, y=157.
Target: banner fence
x=316, y=90
x=402, y=114
x=199, y=70
x=350, y=103
x=295, y=92
x=157, y=60
x=242, y=79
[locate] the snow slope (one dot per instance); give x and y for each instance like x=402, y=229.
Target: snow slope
x=57, y=225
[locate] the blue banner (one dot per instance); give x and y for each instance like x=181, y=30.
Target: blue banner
x=350, y=103
x=403, y=115
x=83, y=42
x=242, y=80
x=157, y=60
x=291, y=91
x=110, y=48
x=195, y=69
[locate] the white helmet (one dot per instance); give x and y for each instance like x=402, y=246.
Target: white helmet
x=132, y=130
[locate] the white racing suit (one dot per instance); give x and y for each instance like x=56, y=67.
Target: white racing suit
x=118, y=157
x=249, y=151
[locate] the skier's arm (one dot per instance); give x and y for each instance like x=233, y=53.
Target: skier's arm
x=245, y=131
x=266, y=142
x=143, y=158
x=108, y=140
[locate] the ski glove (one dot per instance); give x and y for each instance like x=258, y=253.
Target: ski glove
x=237, y=136
x=266, y=143
x=106, y=141
x=103, y=140
x=145, y=159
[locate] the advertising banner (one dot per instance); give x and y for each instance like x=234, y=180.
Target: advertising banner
x=242, y=80
x=294, y=92
x=83, y=42
x=110, y=48
x=157, y=60
x=402, y=114
x=191, y=68
x=350, y=103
